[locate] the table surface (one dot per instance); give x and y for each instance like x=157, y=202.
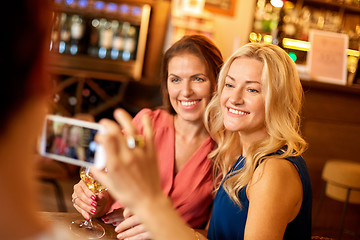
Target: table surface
x=66, y=218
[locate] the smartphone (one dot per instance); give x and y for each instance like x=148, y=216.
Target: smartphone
x=72, y=141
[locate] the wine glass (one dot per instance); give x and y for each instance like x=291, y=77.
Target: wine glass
x=87, y=228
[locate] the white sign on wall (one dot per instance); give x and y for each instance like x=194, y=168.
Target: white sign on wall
x=327, y=57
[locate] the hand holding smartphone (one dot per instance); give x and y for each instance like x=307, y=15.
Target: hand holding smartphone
x=72, y=141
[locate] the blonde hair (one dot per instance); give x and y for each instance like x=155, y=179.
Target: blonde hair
x=283, y=101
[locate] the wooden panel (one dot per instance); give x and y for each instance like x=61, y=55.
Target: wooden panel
x=331, y=126
x=332, y=140
x=154, y=49
x=328, y=105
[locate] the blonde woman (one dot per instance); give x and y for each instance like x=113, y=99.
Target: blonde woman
x=263, y=187
x=266, y=191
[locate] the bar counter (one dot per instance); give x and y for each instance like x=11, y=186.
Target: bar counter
x=66, y=218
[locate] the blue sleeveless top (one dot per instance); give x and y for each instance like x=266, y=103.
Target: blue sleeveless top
x=228, y=219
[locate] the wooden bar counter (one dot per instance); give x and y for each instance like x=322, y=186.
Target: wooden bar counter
x=331, y=126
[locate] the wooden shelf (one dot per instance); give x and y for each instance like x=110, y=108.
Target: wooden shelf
x=346, y=6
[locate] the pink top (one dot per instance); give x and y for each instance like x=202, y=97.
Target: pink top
x=191, y=188
x=60, y=146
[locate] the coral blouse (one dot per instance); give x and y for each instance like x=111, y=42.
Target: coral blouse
x=191, y=188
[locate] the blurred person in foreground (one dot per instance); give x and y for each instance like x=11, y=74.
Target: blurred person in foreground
x=189, y=76
x=264, y=190
x=24, y=96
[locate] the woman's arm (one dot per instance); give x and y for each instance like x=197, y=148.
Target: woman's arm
x=133, y=179
x=275, y=197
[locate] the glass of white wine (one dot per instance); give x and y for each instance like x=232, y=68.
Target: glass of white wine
x=82, y=227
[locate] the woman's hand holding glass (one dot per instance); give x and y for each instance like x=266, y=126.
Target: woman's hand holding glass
x=88, y=204
x=86, y=228
x=127, y=225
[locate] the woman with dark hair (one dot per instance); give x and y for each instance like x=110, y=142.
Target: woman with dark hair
x=189, y=76
x=199, y=46
x=24, y=94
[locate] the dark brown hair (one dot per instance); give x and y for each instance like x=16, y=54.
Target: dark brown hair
x=23, y=50
x=200, y=46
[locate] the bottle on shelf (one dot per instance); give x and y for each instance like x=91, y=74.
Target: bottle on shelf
x=290, y=27
x=105, y=38
x=354, y=38
x=117, y=45
x=356, y=79
x=76, y=34
x=278, y=34
x=130, y=44
x=93, y=45
x=305, y=19
x=64, y=45
x=259, y=15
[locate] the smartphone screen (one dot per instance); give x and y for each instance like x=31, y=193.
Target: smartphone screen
x=69, y=140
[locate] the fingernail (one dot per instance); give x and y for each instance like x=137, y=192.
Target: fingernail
x=93, y=197
x=94, y=204
x=93, y=211
x=105, y=219
x=114, y=223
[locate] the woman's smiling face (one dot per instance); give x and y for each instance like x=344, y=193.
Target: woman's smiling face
x=242, y=100
x=189, y=86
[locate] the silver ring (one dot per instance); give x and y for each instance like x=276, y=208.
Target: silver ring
x=135, y=141
x=73, y=200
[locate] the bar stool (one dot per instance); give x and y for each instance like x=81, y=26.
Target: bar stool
x=341, y=183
